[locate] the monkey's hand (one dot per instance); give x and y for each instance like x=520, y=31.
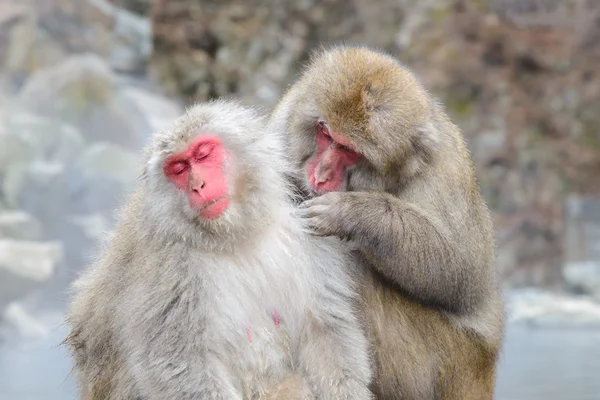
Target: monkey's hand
x=329, y=214
x=414, y=247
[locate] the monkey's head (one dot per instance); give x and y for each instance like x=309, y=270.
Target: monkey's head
x=359, y=118
x=213, y=176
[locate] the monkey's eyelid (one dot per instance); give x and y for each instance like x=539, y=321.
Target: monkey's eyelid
x=324, y=130
x=177, y=168
x=202, y=152
x=201, y=156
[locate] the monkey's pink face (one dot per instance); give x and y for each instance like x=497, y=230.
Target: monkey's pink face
x=326, y=170
x=198, y=171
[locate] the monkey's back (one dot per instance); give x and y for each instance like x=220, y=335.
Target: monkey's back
x=460, y=362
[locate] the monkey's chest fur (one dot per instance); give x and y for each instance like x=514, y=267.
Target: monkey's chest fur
x=248, y=308
x=259, y=307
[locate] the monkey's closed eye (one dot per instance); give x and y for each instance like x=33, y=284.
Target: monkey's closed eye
x=203, y=152
x=177, y=168
x=323, y=128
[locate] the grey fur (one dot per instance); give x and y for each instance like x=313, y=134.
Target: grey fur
x=164, y=312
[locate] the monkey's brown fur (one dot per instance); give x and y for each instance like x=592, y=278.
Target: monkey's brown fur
x=413, y=209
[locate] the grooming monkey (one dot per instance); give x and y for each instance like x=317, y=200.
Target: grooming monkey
x=384, y=168
x=210, y=287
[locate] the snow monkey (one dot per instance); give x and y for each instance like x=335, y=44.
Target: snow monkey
x=383, y=167
x=210, y=286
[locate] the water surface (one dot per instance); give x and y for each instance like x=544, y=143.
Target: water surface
x=537, y=364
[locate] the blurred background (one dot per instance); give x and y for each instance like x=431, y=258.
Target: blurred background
x=84, y=82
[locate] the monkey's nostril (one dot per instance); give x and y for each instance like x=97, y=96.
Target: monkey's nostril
x=202, y=185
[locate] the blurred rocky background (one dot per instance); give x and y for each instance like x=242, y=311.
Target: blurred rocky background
x=84, y=82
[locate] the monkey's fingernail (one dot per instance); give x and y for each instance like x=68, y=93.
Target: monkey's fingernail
x=303, y=213
x=307, y=203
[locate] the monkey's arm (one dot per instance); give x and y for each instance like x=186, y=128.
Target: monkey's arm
x=185, y=375
x=172, y=356
x=418, y=254
x=334, y=351
x=334, y=360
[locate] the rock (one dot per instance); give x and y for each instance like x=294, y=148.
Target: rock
x=93, y=227
x=51, y=192
x=48, y=139
x=132, y=35
x=582, y=228
x=19, y=225
x=40, y=33
x=24, y=184
x=161, y=111
x=540, y=308
x=584, y=277
x=96, y=193
x=108, y=160
x=582, y=244
x=83, y=92
x=28, y=47
x=27, y=137
x=140, y=7
x=253, y=49
x=11, y=13
x=129, y=40
x=25, y=265
x=24, y=323
x=43, y=190
x=81, y=237
x=14, y=150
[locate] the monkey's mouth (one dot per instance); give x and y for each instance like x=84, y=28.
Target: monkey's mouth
x=210, y=203
x=214, y=208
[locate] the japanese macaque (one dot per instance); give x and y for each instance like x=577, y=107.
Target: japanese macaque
x=383, y=167
x=210, y=286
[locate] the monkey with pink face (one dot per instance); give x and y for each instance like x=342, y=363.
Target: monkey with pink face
x=382, y=165
x=210, y=288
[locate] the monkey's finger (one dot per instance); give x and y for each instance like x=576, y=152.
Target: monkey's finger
x=306, y=203
x=319, y=200
x=310, y=225
x=312, y=211
x=302, y=213
x=317, y=227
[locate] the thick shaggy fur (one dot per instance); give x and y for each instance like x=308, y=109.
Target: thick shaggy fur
x=181, y=308
x=413, y=210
